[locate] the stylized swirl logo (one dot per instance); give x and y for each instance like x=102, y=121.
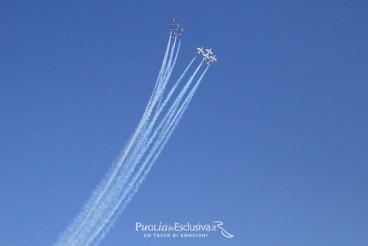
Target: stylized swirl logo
x=223, y=232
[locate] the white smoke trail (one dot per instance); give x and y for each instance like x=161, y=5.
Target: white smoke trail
x=67, y=237
x=99, y=211
x=160, y=145
x=141, y=145
x=165, y=134
x=161, y=90
x=169, y=116
x=161, y=73
x=168, y=75
x=97, y=214
x=113, y=196
x=163, y=139
x=162, y=82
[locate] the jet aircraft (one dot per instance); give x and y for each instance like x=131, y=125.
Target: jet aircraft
x=208, y=56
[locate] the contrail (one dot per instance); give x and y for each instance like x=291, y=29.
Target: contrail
x=97, y=213
x=162, y=81
x=160, y=145
x=160, y=92
x=141, y=147
x=135, y=161
x=72, y=231
x=168, y=75
x=169, y=116
x=164, y=139
x=127, y=167
x=94, y=215
x=142, y=141
x=161, y=72
x=165, y=78
x=165, y=133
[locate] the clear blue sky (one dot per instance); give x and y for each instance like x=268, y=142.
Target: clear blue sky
x=274, y=143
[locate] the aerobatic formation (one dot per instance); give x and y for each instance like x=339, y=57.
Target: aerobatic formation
x=165, y=108
x=208, y=55
x=176, y=30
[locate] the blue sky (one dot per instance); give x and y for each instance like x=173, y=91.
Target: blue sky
x=274, y=143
